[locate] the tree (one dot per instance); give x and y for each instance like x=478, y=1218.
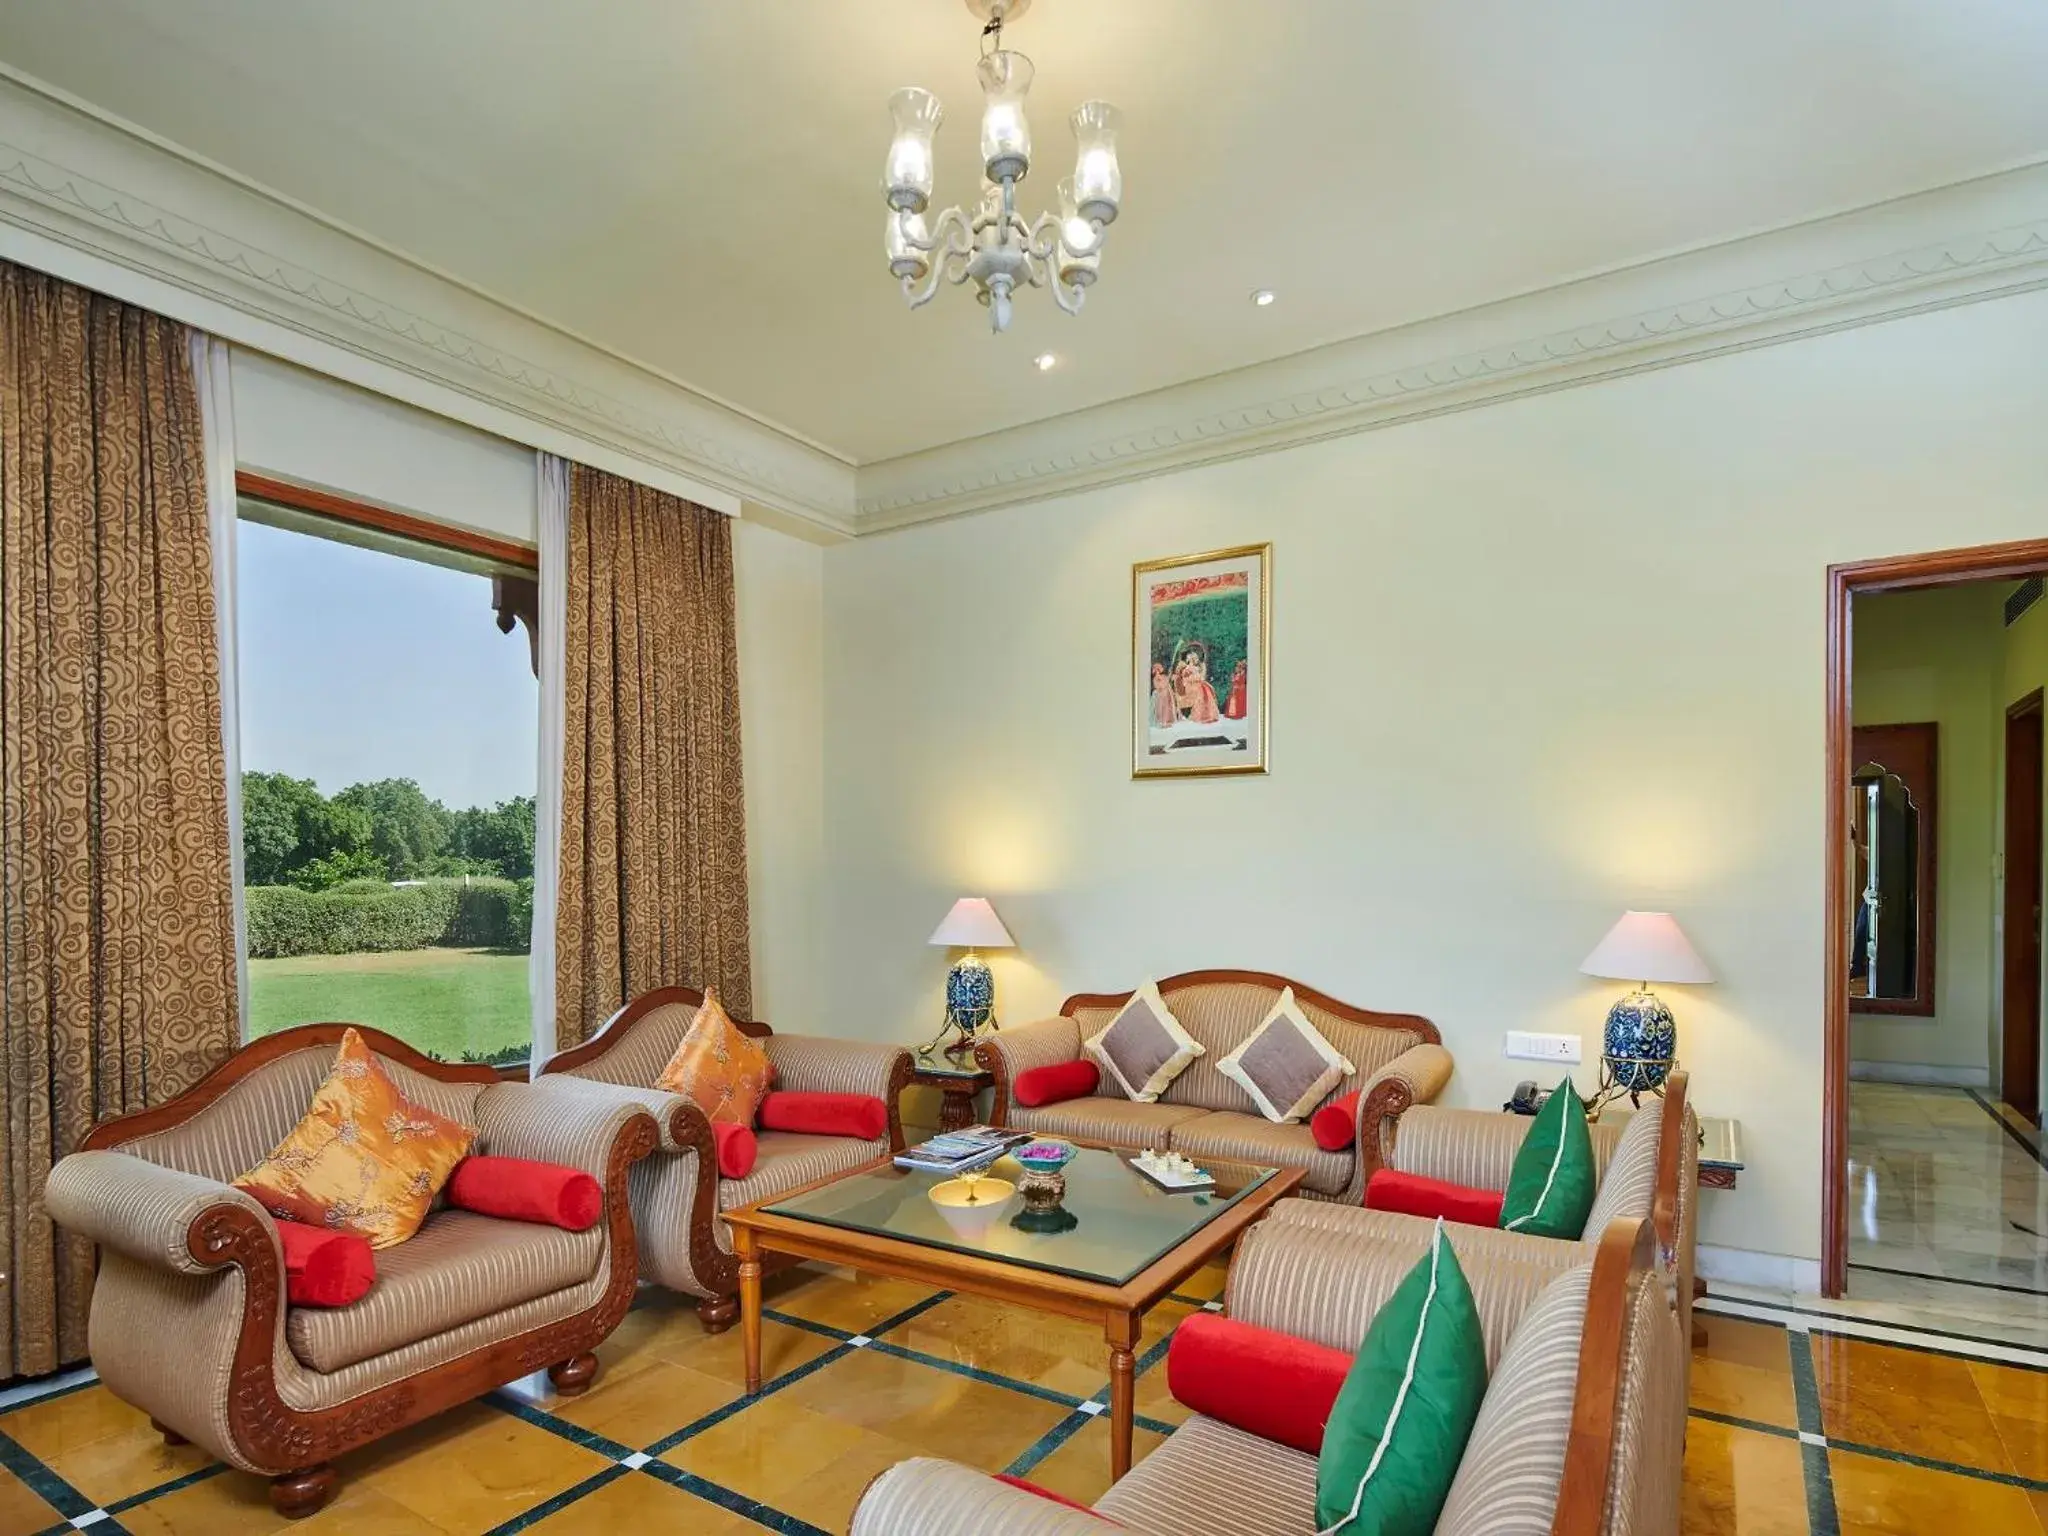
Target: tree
x=496, y=841
x=287, y=825
x=407, y=830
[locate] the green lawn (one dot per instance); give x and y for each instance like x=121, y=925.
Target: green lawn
x=445, y=1001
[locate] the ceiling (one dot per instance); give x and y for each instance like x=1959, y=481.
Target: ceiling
x=693, y=183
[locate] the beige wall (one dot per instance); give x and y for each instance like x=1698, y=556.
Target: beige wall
x=1940, y=655
x=1533, y=664
x=779, y=593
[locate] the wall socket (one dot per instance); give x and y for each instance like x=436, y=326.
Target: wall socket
x=1523, y=1046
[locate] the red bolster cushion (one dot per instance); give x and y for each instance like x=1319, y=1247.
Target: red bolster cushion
x=1052, y=1084
x=825, y=1114
x=519, y=1189
x=736, y=1148
x=1335, y=1125
x=1259, y=1380
x=1411, y=1193
x=325, y=1268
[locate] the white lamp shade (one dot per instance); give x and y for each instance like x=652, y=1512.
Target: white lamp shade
x=1646, y=946
x=973, y=924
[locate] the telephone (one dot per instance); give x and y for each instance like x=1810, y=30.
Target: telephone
x=1528, y=1098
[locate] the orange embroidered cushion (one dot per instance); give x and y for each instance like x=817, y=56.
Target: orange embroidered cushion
x=718, y=1068
x=365, y=1159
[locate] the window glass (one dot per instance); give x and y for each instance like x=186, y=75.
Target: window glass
x=389, y=714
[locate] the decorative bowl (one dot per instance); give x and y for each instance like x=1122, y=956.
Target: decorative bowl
x=1043, y=1155
x=971, y=1206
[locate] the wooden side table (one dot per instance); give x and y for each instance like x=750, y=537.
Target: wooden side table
x=958, y=1078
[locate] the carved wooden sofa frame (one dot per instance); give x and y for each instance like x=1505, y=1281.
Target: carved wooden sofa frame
x=293, y=1446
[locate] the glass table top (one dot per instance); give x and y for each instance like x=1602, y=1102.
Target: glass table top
x=939, y=1064
x=1112, y=1223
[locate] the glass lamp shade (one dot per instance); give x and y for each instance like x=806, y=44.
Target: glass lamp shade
x=907, y=178
x=905, y=259
x=1098, y=179
x=1080, y=241
x=1005, y=135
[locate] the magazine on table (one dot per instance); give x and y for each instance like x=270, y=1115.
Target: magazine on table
x=961, y=1151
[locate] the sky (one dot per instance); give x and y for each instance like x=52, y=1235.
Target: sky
x=359, y=665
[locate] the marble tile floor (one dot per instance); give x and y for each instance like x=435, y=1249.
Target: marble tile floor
x=1796, y=1427
x=1948, y=1198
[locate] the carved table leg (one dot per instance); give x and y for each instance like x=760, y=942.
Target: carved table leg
x=572, y=1377
x=1122, y=1333
x=718, y=1313
x=956, y=1110
x=298, y=1494
x=748, y=1248
x=171, y=1436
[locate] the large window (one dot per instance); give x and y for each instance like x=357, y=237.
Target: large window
x=389, y=715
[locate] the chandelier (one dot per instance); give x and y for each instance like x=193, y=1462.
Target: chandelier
x=995, y=248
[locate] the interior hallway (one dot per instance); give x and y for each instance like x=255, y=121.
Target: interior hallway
x=1948, y=1198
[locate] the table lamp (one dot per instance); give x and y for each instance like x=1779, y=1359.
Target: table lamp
x=970, y=985
x=1641, y=1039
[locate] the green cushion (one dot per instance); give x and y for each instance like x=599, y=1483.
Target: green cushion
x=1407, y=1407
x=1551, y=1187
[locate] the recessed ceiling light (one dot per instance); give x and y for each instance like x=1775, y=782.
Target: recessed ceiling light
x=1044, y=362
x=1262, y=297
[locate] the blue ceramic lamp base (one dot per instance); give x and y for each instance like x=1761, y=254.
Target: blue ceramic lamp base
x=970, y=1002
x=1638, y=1048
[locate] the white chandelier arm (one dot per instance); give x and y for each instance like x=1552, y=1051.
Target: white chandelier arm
x=1068, y=299
x=951, y=246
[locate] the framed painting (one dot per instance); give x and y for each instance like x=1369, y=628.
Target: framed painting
x=1200, y=633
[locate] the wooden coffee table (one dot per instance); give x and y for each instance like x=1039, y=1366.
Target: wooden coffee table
x=1130, y=1244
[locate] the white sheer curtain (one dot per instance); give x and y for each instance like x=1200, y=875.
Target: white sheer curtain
x=547, y=800
x=217, y=413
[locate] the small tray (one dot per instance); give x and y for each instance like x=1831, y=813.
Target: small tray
x=1197, y=1186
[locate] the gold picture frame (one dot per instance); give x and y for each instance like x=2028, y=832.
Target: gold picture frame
x=1201, y=663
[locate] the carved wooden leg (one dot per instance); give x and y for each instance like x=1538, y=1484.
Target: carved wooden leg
x=171, y=1436
x=296, y=1495
x=1122, y=1333
x=718, y=1313
x=572, y=1377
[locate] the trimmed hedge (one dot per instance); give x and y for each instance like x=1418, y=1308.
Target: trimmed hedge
x=484, y=913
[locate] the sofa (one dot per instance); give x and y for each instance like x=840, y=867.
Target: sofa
x=1399, y=1057
x=190, y=1320
x=678, y=1194
x=1647, y=1163
x=1581, y=1432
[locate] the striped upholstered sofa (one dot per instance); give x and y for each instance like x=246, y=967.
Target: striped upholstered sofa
x=1399, y=1057
x=1647, y=1163
x=678, y=1193
x=1581, y=1433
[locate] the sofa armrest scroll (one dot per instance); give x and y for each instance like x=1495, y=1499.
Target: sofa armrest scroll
x=153, y=1214
x=928, y=1497
x=554, y=1124
x=1008, y=1052
x=1416, y=1076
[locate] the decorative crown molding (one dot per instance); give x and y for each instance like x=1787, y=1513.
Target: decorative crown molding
x=67, y=173
x=1421, y=370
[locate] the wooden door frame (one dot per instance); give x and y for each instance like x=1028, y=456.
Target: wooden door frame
x=1897, y=573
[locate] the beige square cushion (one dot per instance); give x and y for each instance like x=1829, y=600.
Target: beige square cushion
x=1144, y=1048
x=1286, y=1066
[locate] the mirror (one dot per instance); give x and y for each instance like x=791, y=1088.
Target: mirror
x=1891, y=841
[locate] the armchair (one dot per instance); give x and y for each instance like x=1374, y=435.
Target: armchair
x=189, y=1317
x=1399, y=1056
x=1581, y=1432
x=678, y=1194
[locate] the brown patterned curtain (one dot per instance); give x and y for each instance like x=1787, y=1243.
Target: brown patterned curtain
x=653, y=887
x=117, y=939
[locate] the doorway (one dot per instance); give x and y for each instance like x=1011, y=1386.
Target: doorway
x=1851, y=912
x=2020, y=951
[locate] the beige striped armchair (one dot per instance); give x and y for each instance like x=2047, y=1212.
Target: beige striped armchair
x=678, y=1194
x=190, y=1317
x=1581, y=1433
x=1399, y=1057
